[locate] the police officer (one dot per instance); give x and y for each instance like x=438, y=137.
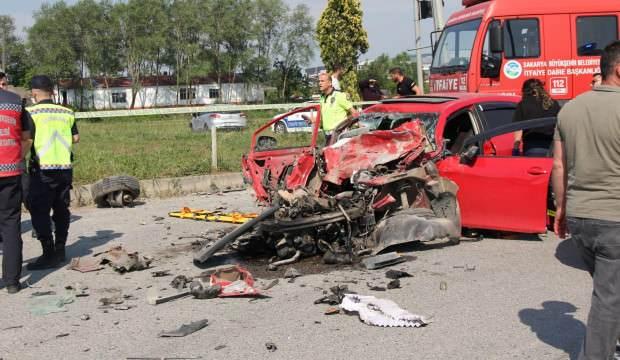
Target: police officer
x=335, y=106
x=14, y=142
x=51, y=173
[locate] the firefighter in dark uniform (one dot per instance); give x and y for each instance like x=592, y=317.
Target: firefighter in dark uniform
x=14, y=142
x=54, y=133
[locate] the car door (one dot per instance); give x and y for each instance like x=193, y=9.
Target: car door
x=499, y=192
x=280, y=159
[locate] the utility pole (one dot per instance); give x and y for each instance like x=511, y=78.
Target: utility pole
x=418, y=45
x=438, y=14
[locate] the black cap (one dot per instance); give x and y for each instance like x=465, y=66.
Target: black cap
x=41, y=82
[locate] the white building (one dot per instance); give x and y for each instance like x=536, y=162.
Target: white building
x=156, y=92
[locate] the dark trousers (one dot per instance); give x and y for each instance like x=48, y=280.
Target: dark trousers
x=599, y=244
x=10, y=228
x=50, y=192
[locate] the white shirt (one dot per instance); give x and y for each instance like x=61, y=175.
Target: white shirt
x=336, y=83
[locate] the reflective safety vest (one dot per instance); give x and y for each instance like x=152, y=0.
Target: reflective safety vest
x=53, y=140
x=10, y=140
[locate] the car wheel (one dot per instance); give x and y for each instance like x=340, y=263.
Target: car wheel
x=279, y=128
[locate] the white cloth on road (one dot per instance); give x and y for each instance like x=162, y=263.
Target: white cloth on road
x=380, y=312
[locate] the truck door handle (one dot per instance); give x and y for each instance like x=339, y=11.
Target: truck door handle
x=536, y=171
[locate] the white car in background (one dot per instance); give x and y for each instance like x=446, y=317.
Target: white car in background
x=219, y=120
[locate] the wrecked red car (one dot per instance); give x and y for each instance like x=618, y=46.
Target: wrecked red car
x=406, y=170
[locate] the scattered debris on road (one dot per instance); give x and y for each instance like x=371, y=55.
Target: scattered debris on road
x=201, y=291
x=332, y=311
x=372, y=287
x=154, y=298
x=396, y=274
x=44, y=305
x=271, y=347
x=123, y=262
x=185, y=329
x=394, y=284
x=42, y=293
x=381, y=261
x=338, y=293
x=85, y=317
x=380, y=312
x=180, y=282
x=291, y=273
x=160, y=273
x=271, y=284
x=85, y=264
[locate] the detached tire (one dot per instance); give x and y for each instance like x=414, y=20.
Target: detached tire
x=447, y=206
x=116, y=191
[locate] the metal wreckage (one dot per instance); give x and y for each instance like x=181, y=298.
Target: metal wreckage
x=375, y=185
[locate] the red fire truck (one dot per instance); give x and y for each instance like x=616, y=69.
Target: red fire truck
x=493, y=46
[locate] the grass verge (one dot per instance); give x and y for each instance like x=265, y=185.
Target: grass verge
x=151, y=147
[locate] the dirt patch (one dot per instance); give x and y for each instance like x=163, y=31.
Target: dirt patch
x=306, y=266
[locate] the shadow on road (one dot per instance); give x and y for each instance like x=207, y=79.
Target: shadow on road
x=27, y=224
x=568, y=255
x=83, y=246
x=555, y=325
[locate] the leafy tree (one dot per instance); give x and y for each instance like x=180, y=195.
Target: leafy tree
x=184, y=38
x=49, y=42
x=7, y=36
x=142, y=25
x=295, y=48
x=13, y=57
x=268, y=20
x=342, y=39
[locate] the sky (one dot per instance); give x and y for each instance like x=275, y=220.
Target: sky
x=389, y=23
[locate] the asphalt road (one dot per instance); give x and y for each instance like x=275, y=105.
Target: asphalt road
x=503, y=299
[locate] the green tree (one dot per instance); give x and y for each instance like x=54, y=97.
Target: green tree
x=295, y=48
x=142, y=27
x=268, y=19
x=50, y=44
x=184, y=39
x=342, y=39
x=13, y=56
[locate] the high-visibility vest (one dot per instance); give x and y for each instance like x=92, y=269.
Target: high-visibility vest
x=10, y=139
x=53, y=140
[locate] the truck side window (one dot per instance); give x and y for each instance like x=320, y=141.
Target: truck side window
x=521, y=38
x=594, y=33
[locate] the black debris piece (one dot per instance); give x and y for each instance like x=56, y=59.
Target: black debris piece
x=180, y=282
x=185, y=329
x=394, y=284
x=161, y=273
x=199, y=291
x=271, y=346
x=383, y=260
x=42, y=293
x=219, y=347
x=397, y=274
x=374, y=287
x=336, y=297
x=291, y=273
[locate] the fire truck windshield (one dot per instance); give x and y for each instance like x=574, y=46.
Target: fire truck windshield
x=453, y=51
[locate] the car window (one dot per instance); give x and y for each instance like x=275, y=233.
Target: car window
x=496, y=114
x=521, y=38
x=291, y=131
x=594, y=33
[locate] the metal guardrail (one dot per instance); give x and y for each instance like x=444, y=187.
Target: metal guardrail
x=194, y=109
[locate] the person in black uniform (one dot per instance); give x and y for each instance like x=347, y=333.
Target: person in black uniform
x=51, y=173
x=404, y=85
x=535, y=104
x=14, y=142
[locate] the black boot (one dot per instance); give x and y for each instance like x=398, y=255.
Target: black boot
x=59, y=251
x=47, y=260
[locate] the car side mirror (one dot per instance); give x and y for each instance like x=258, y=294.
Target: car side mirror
x=264, y=143
x=490, y=67
x=468, y=157
x=496, y=38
